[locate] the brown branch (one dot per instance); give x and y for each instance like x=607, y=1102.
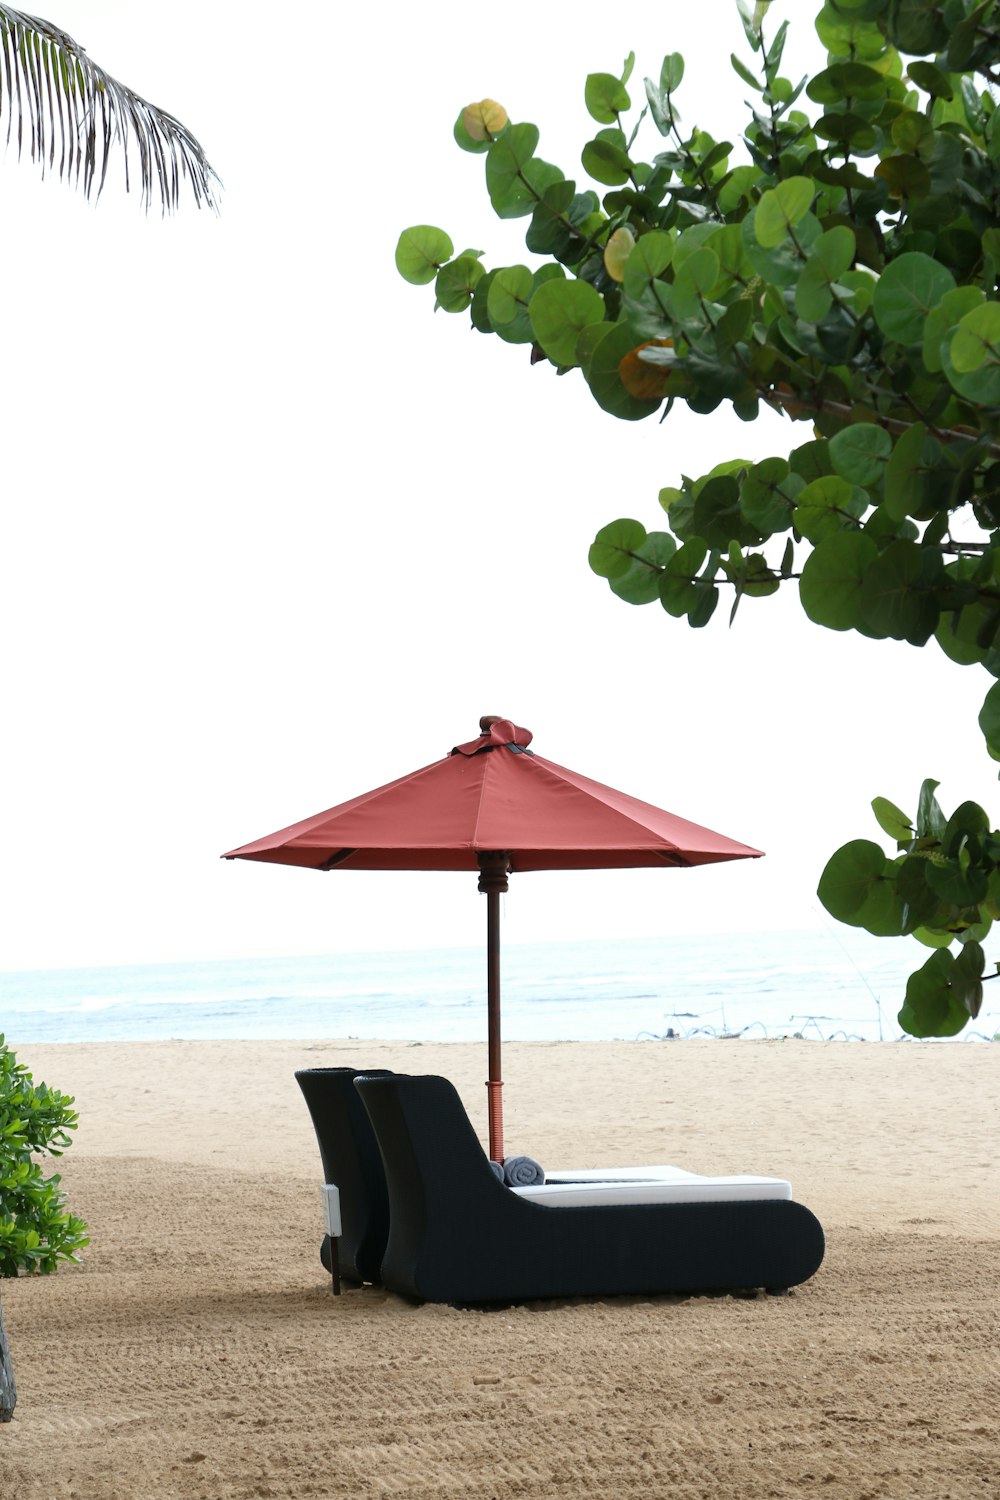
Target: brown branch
x=838, y=409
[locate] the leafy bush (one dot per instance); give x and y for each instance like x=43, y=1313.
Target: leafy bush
x=36, y=1228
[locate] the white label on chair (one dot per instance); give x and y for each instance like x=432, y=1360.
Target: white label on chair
x=331, y=1208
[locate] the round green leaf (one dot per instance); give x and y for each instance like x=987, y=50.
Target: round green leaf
x=640, y=584
x=891, y=820
x=976, y=339
x=904, y=473
x=611, y=552
x=908, y=289
x=980, y=386
x=813, y=293
x=671, y=72
x=932, y=939
x=781, y=208
x=835, y=249
x=933, y=1007
x=826, y=505
x=959, y=634
x=859, y=452
x=967, y=824
x=845, y=34
x=559, y=311
x=457, y=281
x=679, y=584
x=851, y=879
x=651, y=256
x=717, y=514
x=967, y=975
x=931, y=821
x=931, y=79
x=912, y=131
x=850, y=130
x=509, y=294
x=845, y=81
x=606, y=346
x=605, y=97
x=898, y=597
x=606, y=160
x=421, y=251
x=506, y=163
x=831, y=582
x=906, y=176
x=946, y=316
x=779, y=265
x=479, y=124
x=694, y=280
x=919, y=27
x=811, y=460
x=767, y=495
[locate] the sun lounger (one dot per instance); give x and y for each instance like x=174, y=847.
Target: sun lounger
x=351, y=1159
x=457, y=1235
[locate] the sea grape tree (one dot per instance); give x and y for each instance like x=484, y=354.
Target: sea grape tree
x=841, y=265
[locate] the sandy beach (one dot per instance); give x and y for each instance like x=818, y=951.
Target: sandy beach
x=197, y=1354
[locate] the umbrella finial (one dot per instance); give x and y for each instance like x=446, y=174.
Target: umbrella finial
x=496, y=731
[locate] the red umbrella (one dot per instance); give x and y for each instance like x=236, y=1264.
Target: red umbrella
x=495, y=806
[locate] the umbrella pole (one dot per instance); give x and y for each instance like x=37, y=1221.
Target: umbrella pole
x=493, y=882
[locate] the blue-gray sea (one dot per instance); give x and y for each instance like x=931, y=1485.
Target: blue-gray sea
x=826, y=984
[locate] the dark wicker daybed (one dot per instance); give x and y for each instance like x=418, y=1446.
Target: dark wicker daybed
x=458, y=1235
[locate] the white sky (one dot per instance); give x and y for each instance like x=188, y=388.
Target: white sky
x=273, y=533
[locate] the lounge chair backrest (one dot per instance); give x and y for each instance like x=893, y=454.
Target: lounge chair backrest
x=441, y=1187
x=352, y=1160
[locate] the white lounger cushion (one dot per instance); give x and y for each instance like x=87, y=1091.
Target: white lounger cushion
x=597, y=1187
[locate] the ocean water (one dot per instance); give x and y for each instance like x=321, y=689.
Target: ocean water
x=832, y=985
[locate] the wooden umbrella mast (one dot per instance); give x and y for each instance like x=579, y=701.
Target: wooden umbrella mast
x=494, y=865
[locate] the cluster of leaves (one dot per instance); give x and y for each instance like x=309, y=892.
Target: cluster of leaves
x=943, y=883
x=845, y=274
x=36, y=1228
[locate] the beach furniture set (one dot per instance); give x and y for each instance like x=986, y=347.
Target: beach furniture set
x=412, y=1198
x=423, y=1211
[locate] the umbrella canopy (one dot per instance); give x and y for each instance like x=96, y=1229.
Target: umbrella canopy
x=495, y=806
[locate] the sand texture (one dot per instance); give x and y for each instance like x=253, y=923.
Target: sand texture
x=196, y=1353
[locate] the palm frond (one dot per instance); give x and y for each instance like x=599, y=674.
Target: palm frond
x=64, y=109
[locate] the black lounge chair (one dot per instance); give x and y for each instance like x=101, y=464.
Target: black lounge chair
x=351, y=1159
x=458, y=1235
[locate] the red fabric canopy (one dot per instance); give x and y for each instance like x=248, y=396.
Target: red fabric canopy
x=493, y=794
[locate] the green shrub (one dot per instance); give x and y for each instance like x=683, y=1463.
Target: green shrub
x=36, y=1228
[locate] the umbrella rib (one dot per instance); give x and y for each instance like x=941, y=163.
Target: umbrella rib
x=479, y=806
x=336, y=859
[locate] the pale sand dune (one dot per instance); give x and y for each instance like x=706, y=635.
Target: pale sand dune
x=197, y=1354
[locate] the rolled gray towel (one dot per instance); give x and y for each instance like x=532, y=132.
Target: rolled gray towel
x=496, y=1167
x=521, y=1171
